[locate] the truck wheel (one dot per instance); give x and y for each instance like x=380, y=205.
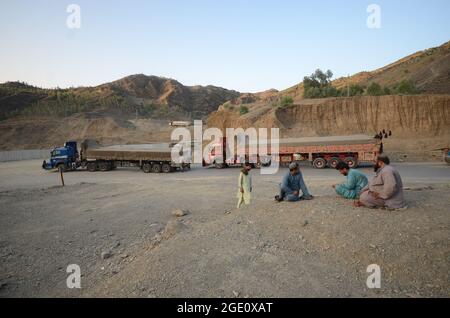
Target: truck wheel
x=156, y=168
x=104, y=166
x=219, y=165
x=319, y=163
x=146, y=167
x=166, y=168
x=92, y=166
x=333, y=162
x=351, y=161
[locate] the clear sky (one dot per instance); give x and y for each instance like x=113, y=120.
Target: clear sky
x=247, y=45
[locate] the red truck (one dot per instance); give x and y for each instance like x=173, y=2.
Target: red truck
x=321, y=152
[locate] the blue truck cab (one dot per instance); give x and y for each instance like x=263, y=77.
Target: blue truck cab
x=65, y=158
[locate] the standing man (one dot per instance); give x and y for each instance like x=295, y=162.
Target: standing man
x=245, y=186
x=292, y=184
x=356, y=181
x=385, y=190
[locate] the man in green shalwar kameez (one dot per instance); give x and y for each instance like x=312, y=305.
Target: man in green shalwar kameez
x=245, y=186
x=356, y=181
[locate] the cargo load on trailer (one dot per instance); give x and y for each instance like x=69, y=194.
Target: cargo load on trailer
x=321, y=152
x=149, y=157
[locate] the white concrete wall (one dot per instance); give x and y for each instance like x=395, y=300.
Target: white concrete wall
x=16, y=155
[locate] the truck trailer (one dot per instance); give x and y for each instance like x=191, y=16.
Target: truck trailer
x=154, y=158
x=321, y=152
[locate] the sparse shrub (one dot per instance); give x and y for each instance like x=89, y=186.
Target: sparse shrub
x=355, y=90
x=286, y=101
x=374, y=89
x=406, y=87
x=243, y=109
x=387, y=91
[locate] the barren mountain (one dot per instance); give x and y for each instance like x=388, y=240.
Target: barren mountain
x=149, y=96
x=137, y=109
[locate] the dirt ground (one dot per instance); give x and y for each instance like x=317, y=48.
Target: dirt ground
x=318, y=248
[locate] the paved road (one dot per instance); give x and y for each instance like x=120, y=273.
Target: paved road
x=28, y=174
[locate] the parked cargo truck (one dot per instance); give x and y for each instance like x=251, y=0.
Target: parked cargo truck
x=321, y=152
x=93, y=157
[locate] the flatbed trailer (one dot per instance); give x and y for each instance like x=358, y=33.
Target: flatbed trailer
x=321, y=152
x=150, y=158
x=329, y=151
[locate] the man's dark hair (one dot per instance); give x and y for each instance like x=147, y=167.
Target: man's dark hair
x=293, y=166
x=384, y=158
x=342, y=165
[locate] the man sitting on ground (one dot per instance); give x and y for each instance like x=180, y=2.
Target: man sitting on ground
x=356, y=181
x=385, y=190
x=292, y=184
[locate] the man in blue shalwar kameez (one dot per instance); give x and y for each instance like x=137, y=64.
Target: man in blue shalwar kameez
x=356, y=181
x=291, y=186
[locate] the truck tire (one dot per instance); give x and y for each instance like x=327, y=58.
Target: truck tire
x=333, y=162
x=219, y=165
x=351, y=161
x=166, y=168
x=92, y=166
x=319, y=163
x=156, y=168
x=147, y=168
x=104, y=166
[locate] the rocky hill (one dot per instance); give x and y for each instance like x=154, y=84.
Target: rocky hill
x=147, y=96
x=429, y=70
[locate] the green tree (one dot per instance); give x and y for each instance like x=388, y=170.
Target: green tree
x=318, y=85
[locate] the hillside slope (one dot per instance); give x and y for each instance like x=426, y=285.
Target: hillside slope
x=429, y=70
x=419, y=123
x=148, y=96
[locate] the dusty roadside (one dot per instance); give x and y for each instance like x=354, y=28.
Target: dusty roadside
x=306, y=249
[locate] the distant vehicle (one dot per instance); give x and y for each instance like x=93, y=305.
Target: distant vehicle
x=149, y=158
x=180, y=123
x=321, y=152
x=447, y=157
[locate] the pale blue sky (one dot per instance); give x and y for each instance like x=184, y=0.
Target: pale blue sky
x=247, y=45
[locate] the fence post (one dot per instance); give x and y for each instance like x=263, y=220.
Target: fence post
x=61, y=168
